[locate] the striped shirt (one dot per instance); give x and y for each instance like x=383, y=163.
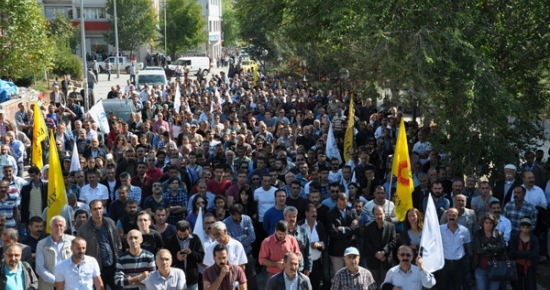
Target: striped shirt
x=130, y=265
x=7, y=207
x=361, y=280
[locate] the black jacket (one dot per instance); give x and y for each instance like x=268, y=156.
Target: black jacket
x=375, y=243
x=193, y=259
x=345, y=240
x=505, y=197
x=26, y=199
x=277, y=282
x=494, y=248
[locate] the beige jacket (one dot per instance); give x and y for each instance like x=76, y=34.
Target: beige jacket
x=46, y=245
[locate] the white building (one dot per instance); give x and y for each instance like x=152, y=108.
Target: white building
x=212, y=14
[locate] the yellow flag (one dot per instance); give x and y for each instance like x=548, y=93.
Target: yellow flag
x=39, y=133
x=56, y=185
x=401, y=167
x=256, y=77
x=348, y=138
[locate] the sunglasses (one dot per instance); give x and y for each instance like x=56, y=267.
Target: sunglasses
x=335, y=191
x=255, y=179
x=157, y=185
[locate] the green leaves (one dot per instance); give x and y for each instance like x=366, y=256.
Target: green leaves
x=137, y=23
x=25, y=44
x=184, y=26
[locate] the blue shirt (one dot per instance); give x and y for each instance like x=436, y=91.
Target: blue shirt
x=238, y=231
x=271, y=217
x=15, y=280
x=453, y=243
x=329, y=203
x=105, y=249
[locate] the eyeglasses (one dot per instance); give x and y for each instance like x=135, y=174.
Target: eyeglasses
x=157, y=185
x=405, y=255
x=334, y=191
x=255, y=179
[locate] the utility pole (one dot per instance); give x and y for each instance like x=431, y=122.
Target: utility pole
x=83, y=44
x=116, y=40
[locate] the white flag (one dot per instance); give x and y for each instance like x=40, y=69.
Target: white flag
x=177, y=100
x=431, y=244
x=97, y=112
x=199, y=227
x=75, y=163
x=331, y=148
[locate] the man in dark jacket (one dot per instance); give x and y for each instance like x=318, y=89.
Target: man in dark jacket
x=379, y=245
x=291, y=264
x=103, y=242
x=187, y=250
x=35, y=186
x=343, y=226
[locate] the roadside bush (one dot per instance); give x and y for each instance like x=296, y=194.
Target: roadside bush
x=66, y=63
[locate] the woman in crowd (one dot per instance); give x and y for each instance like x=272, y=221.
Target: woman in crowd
x=413, y=230
x=524, y=249
x=488, y=245
x=198, y=202
x=220, y=212
x=119, y=147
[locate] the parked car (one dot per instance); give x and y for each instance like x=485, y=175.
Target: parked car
x=154, y=68
x=194, y=63
x=121, y=108
x=151, y=77
x=249, y=65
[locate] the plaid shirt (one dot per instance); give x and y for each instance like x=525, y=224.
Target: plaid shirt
x=180, y=199
x=361, y=280
x=514, y=214
x=237, y=231
x=134, y=193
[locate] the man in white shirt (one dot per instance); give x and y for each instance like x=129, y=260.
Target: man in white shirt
x=265, y=196
x=79, y=271
x=379, y=199
x=235, y=250
x=94, y=190
x=535, y=195
x=422, y=148
x=407, y=276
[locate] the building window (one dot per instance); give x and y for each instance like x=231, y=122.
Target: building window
x=50, y=12
x=92, y=13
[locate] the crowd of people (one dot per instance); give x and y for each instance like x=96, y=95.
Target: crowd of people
x=233, y=178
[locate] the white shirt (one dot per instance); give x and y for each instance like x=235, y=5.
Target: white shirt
x=453, y=243
x=534, y=196
x=87, y=193
x=90, y=135
x=505, y=226
x=77, y=277
x=389, y=209
x=235, y=253
x=335, y=177
x=422, y=147
x=413, y=279
x=174, y=281
x=265, y=199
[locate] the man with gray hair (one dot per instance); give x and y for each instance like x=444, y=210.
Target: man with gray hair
x=13, y=264
x=235, y=249
x=300, y=233
x=11, y=236
x=51, y=251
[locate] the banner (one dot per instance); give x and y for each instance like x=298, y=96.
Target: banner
x=177, y=99
x=39, y=134
x=331, y=147
x=199, y=227
x=256, y=77
x=75, y=162
x=431, y=245
x=97, y=112
x=401, y=167
x=348, y=138
x=56, y=185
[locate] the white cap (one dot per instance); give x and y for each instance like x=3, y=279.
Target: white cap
x=511, y=166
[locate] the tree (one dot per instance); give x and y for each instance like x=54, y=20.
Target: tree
x=137, y=23
x=184, y=26
x=478, y=68
x=231, y=26
x=62, y=29
x=24, y=43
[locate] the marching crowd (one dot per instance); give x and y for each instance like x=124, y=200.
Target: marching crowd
x=233, y=178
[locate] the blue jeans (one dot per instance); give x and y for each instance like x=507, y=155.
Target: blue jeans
x=193, y=287
x=482, y=283
x=91, y=85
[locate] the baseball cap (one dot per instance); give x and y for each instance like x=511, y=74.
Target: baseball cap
x=351, y=251
x=526, y=220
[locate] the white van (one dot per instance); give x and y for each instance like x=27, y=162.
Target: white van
x=194, y=62
x=151, y=77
